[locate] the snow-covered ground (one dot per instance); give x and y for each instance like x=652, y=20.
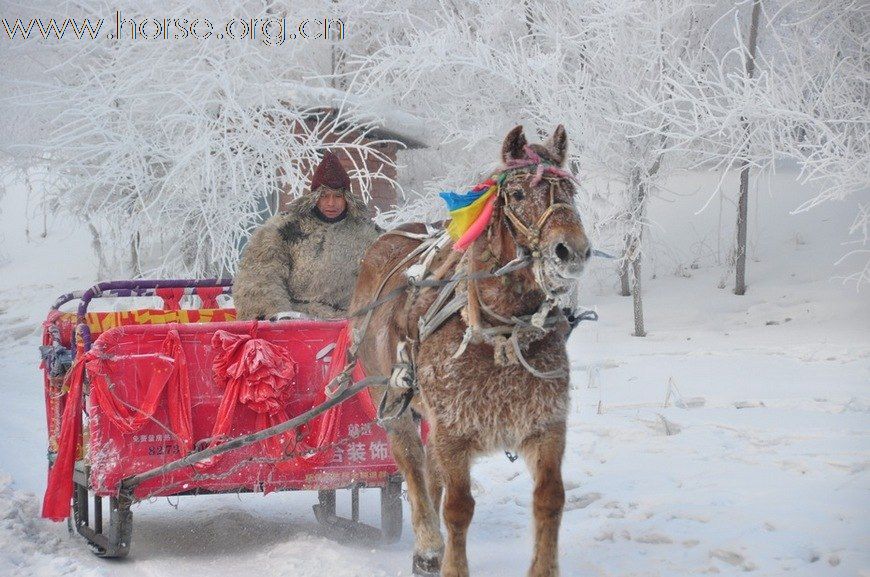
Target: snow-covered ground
x=759, y=462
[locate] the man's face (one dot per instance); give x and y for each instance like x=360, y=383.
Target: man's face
x=331, y=202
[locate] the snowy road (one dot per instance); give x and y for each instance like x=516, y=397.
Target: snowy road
x=777, y=486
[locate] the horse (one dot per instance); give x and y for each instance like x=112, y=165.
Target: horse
x=492, y=373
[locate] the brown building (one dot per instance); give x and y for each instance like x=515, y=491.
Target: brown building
x=383, y=194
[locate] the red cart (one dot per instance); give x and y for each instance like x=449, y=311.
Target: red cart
x=131, y=396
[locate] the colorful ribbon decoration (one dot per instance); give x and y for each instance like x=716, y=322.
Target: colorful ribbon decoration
x=470, y=212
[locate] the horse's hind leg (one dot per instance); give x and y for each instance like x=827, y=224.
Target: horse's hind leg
x=454, y=459
x=543, y=455
x=407, y=450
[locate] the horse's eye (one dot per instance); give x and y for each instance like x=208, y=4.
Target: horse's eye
x=518, y=195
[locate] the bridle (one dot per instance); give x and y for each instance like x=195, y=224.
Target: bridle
x=533, y=161
x=532, y=232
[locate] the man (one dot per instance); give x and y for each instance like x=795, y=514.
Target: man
x=307, y=258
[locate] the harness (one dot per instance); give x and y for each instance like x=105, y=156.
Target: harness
x=508, y=336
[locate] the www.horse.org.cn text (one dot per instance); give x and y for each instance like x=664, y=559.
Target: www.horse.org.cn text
x=271, y=31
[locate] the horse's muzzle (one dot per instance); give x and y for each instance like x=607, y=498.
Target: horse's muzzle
x=568, y=256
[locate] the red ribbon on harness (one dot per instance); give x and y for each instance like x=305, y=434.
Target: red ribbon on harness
x=168, y=371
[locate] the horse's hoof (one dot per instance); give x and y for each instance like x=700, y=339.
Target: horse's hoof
x=426, y=566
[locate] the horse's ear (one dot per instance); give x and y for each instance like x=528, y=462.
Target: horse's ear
x=512, y=148
x=557, y=145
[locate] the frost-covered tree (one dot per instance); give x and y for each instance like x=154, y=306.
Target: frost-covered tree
x=641, y=49
x=201, y=134
x=802, y=96
x=822, y=96
x=169, y=148
x=473, y=70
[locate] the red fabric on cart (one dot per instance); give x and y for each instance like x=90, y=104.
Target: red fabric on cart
x=166, y=370
x=257, y=374
x=171, y=297
x=58, y=492
x=209, y=295
x=324, y=430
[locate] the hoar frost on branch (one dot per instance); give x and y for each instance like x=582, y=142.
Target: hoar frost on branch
x=807, y=101
x=169, y=150
x=474, y=72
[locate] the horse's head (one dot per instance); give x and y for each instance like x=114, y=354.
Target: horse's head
x=537, y=197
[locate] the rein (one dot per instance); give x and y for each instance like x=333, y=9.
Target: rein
x=413, y=282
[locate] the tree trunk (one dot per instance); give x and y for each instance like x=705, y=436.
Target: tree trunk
x=135, y=263
x=637, y=299
x=624, y=286
x=740, y=282
x=97, y=245
x=338, y=58
x=743, y=202
x=633, y=252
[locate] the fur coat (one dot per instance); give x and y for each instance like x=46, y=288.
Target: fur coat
x=296, y=261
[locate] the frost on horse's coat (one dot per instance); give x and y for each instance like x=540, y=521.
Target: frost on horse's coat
x=478, y=402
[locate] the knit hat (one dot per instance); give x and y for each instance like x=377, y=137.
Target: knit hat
x=328, y=173
x=331, y=173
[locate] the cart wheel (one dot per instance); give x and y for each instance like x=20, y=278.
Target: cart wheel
x=391, y=509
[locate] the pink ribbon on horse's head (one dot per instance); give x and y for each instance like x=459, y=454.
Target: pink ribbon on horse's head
x=534, y=159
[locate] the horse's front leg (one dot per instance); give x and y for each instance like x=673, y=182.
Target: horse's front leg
x=454, y=461
x=433, y=481
x=543, y=455
x=407, y=451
